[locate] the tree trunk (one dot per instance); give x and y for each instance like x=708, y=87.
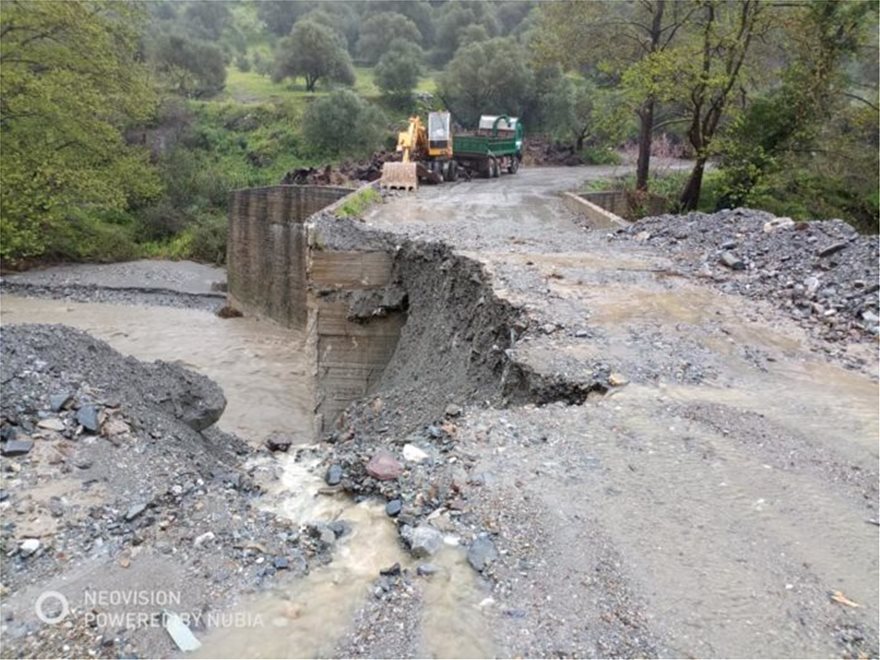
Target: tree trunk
x=310, y=83
x=690, y=196
x=646, y=136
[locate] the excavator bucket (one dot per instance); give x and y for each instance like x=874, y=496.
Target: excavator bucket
x=400, y=175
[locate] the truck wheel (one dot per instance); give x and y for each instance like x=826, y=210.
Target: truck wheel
x=452, y=171
x=514, y=165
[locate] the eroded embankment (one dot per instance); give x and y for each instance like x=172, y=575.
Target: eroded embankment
x=454, y=331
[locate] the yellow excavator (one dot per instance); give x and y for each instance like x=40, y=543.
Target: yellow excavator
x=427, y=154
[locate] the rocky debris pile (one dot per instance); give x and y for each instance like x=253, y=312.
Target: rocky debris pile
x=111, y=460
x=541, y=151
x=824, y=274
x=344, y=174
x=424, y=479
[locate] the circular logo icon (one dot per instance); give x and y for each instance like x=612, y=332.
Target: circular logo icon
x=46, y=612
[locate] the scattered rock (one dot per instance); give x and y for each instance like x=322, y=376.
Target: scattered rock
x=58, y=401
x=482, y=552
x=617, y=380
x=279, y=442
x=732, y=261
x=778, y=223
x=334, y=475
x=202, y=539
x=339, y=528
x=414, y=454
x=391, y=571
x=87, y=415
x=832, y=249
x=135, y=510
x=51, y=424
x=424, y=541
x=281, y=563
x=384, y=467
x=453, y=410
x=393, y=507
x=16, y=447
x=29, y=547
x=426, y=570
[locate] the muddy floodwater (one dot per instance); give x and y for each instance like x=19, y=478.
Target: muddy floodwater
x=260, y=365
x=263, y=372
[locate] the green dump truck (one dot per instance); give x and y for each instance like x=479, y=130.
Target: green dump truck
x=495, y=145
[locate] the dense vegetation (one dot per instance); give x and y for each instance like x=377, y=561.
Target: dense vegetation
x=124, y=125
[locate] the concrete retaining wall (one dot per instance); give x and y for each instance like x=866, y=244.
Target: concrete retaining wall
x=266, y=249
x=277, y=269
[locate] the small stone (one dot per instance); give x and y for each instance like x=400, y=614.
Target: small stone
x=334, y=475
x=281, y=563
x=58, y=401
x=384, y=467
x=393, y=507
x=29, y=547
x=732, y=261
x=278, y=442
x=415, y=454
x=426, y=570
x=548, y=328
x=7, y=433
x=870, y=317
x=113, y=427
x=87, y=415
x=391, y=571
x=424, y=541
x=201, y=539
x=56, y=507
x=482, y=552
x=616, y=380
x=51, y=424
x=778, y=223
x=135, y=510
x=339, y=528
x=729, y=245
x=435, y=432
x=831, y=249
x=453, y=410
x=16, y=447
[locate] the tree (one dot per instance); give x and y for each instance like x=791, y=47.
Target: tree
x=337, y=16
x=418, y=11
x=488, y=77
x=343, y=123
x=379, y=30
x=611, y=37
x=208, y=20
x=791, y=118
x=189, y=67
x=280, y=15
x=62, y=111
x=315, y=52
x=399, y=69
x=457, y=17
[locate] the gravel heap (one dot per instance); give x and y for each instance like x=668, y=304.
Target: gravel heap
x=107, y=459
x=823, y=273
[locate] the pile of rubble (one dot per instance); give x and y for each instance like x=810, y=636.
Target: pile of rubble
x=822, y=273
x=344, y=174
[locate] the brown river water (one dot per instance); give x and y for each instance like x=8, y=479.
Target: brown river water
x=263, y=371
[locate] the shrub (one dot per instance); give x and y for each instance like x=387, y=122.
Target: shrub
x=343, y=123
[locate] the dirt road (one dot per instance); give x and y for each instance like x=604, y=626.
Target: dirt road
x=712, y=502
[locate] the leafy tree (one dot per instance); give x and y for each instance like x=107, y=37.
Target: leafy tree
x=455, y=19
x=62, y=111
x=488, y=77
x=189, y=67
x=609, y=38
x=337, y=16
x=379, y=30
x=472, y=34
x=280, y=15
x=418, y=11
x=206, y=19
x=343, y=123
x=399, y=69
x=314, y=52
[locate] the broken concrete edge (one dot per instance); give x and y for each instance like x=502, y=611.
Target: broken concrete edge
x=598, y=217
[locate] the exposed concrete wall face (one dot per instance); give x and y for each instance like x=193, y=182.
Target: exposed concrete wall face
x=275, y=270
x=351, y=355
x=266, y=252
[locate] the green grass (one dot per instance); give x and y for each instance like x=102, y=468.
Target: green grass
x=357, y=203
x=251, y=87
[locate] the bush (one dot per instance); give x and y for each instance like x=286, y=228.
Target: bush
x=398, y=70
x=93, y=236
x=359, y=202
x=242, y=63
x=343, y=123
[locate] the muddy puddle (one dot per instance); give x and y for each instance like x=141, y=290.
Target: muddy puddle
x=311, y=617
x=262, y=369
x=260, y=365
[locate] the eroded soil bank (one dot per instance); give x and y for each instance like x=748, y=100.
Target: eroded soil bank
x=593, y=448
